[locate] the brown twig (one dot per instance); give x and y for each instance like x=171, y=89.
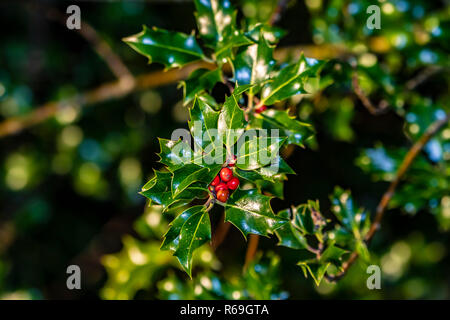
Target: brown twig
x=117, y=89
x=252, y=247
x=105, y=92
x=422, y=77
x=387, y=196
x=383, y=104
x=375, y=110
x=276, y=15
x=220, y=233
x=100, y=46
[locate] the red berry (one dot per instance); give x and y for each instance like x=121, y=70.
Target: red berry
x=261, y=109
x=221, y=186
x=232, y=162
x=222, y=195
x=233, y=184
x=226, y=174
x=215, y=181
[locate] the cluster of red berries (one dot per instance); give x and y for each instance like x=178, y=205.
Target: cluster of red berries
x=224, y=182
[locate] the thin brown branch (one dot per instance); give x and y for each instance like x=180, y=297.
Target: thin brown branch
x=100, y=46
x=252, y=247
x=387, y=196
x=109, y=91
x=117, y=89
x=422, y=77
x=383, y=104
x=375, y=110
x=276, y=15
x=220, y=233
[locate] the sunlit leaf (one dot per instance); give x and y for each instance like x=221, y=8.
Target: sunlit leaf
x=173, y=49
x=251, y=212
x=195, y=231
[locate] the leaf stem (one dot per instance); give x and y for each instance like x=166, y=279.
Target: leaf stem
x=209, y=204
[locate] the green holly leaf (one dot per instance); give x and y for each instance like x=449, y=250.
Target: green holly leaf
x=271, y=34
x=251, y=212
x=275, y=189
x=283, y=167
x=174, y=154
x=214, y=20
x=173, y=49
x=349, y=215
x=172, y=236
x=333, y=254
x=203, y=124
x=308, y=219
x=253, y=63
x=290, y=81
x=231, y=120
x=187, y=175
x=295, y=131
x=258, y=152
x=254, y=175
x=288, y=235
x=195, y=231
x=207, y=98
x=159, y=191
x=225, y=49
x=199, y=81
x=362, y=250
x=276, y=171
x=316, y=269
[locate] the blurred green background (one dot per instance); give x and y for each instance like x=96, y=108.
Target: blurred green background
x=69, y=185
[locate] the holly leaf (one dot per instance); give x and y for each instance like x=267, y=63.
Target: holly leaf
x=290, y=80
x=258, y=152
x=362, y=250
x=333, y=254
x=231, y=119
x=251, y=212
x=308, y=218
x=295, y=131
x=174, y=154
x=187, y=232
x=173, y=49
x=195, y=232
x=234, y=38
x=316, y=269
x=253, y=63
x=288, y=235
x=275, y=189
x=187, y=175
x=199, y=81
x=283, y=167
x=214, y=19
x=203, y=124
x=172, y=236
x=351, y=217
x=271, y=34
x=254, y=175
x=158, y=190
